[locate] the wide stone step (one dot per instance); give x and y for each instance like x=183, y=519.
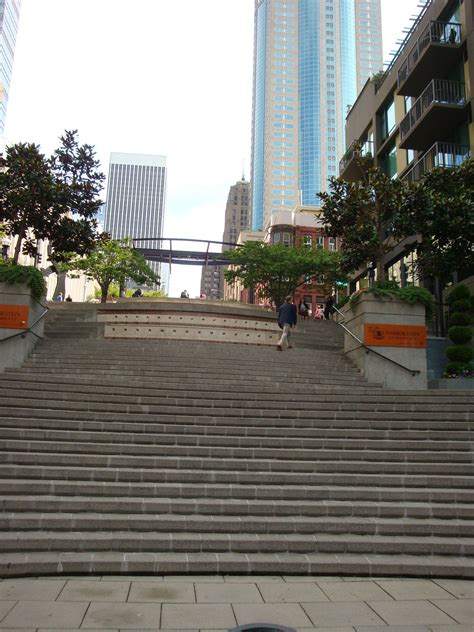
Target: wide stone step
x=147, y=433
x=188, y=449
x=86, y=541
x=84, y=472
x=49, y=386
x=62, y=521
x=330, y=420
x=303, y=411
x=217, y=507
x=234, y=491
x=150, y=563
x=146, y=440
x=234, y=464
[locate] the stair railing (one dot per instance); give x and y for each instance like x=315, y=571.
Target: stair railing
x=369, y=349
x=29, y=329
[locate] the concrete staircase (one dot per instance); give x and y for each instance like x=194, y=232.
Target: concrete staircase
x=135, y=456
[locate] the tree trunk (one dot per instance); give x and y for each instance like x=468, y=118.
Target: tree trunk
x=104, y=290
x=17, y=249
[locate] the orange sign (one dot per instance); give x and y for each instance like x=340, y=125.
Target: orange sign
x=395, y=335
x=13, y=316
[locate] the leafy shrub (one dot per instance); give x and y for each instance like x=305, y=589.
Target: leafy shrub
x=342, y=302
x=458, y=369
x=390, y=289
x=12, y=273
x=462, y=305
x=461, y=291
x=460, y=353
x=460, y=335
x=460, y=318
x=414, y=294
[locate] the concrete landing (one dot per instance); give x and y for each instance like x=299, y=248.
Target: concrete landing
x=219, y=603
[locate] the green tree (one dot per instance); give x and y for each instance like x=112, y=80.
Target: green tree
x=54, y=199
x=440, y=208
x=112, y=261
x=26, y=195
x=362, y=213
x=276, y=271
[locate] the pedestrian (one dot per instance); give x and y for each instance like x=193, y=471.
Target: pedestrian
x=287, y=318
x=328, y=307
x=68, y=299
x=303, y=310
x=184, y=294
x=60, y=297
x=318, y=314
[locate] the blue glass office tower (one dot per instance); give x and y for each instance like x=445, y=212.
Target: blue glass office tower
x=9, y=18
x=306, y=73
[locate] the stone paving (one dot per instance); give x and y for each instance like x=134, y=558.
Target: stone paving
x=220, y=603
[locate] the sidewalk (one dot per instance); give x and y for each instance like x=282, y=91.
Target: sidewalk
x=219, y=603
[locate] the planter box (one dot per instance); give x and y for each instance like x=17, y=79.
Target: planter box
x=23, y=311
x=453, y=384
x=393, y=329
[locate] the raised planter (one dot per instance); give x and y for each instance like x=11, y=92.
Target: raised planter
x=18, y=312
x=391, y=349
x=453, y=384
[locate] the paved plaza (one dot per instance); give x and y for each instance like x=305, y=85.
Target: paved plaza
x=220, y=603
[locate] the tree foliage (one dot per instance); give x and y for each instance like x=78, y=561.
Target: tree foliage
x=440, y=208
x=55, y=199
x=362, y=213
x=113, y=261
x=276, y=271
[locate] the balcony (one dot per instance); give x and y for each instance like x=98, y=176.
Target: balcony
x=358, y=156
x=440, y=155
x=440, y=107
x=435, y=52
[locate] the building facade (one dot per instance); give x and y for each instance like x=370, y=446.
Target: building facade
x=419, y=115
x=301, y=228
x=307, y=57
x=237, y=219
x=9, y=18
x=136, y=195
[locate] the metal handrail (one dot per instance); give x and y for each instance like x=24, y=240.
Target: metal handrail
x=435, y=32
x=29, y=329
x=369, y=349
x=439, y=91
x=439, y=155
x=364, y=150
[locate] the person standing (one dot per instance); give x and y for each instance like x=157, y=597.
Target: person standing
x=328, y=305
x=287, y=318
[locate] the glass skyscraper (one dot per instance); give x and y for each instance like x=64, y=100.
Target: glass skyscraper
x=9, y=18
x=307, y=67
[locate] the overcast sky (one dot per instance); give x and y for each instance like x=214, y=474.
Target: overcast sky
x=151, y=76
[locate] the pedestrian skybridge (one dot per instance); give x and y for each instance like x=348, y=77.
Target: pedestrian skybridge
x=202, y=252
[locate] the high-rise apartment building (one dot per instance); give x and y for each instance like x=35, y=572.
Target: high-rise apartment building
x=9, y=18
x=369, y=53
x=307, y=58
x=237, y=219
x=136, y=191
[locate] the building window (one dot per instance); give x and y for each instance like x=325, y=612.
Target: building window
x=391, y=162
x=332, y=243
x=320, y=242
x=307, y=241
x=388, y=120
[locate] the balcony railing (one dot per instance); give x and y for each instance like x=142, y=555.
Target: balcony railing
x=357, y=149
x=444, y=33
x=445, y=155
x=438, y=91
